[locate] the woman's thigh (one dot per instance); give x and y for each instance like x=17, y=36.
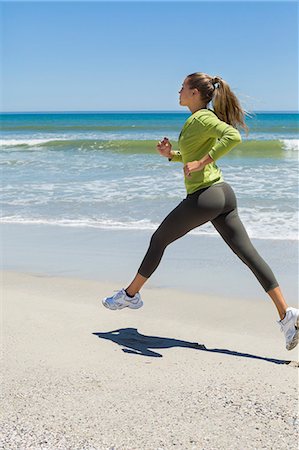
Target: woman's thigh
x=195, y=210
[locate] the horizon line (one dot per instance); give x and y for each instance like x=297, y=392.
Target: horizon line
x=133, y=111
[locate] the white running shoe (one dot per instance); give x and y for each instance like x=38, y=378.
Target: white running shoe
x=121, y=300
x=290, y=326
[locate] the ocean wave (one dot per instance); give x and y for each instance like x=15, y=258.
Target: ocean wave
x=248, y=147
x=269, y=230
x=79, y=144
x=142, y=224
x=23, y=142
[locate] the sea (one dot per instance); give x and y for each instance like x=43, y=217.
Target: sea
x=102, y=170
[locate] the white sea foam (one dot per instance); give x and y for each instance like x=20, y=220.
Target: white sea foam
x=279, y=230
x=290, y=144
x=29, y=142
x=86, y=222
x=92, y=137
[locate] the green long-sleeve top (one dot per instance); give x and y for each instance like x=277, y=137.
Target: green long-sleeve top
x=198, y=138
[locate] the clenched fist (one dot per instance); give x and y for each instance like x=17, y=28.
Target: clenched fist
x=164, y=147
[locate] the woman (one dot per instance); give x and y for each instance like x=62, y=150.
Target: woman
x=206, y=136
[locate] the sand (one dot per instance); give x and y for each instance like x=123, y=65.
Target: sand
x=186, y=371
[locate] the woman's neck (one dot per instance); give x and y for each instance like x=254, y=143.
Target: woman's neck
x=196, y=108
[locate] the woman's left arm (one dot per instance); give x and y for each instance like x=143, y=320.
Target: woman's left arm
x=228, y=137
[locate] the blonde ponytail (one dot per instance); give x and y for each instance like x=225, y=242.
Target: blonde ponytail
x=225, y=104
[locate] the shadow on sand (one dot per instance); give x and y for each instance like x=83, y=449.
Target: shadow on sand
x=140, y=344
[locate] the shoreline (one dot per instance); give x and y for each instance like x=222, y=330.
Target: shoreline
x=195, y=264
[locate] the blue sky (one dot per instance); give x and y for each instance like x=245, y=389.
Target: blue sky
x=124, y=56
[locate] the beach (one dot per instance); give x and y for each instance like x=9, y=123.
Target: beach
x=202, y=365
x=186, y=371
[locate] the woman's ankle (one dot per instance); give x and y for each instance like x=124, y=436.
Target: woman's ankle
x=129, y=293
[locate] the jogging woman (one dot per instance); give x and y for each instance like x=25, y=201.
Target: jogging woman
x=206, y=136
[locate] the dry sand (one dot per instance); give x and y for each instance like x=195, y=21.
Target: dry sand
x=184, y=372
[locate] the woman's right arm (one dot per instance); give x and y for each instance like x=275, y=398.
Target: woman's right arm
x=164, y=147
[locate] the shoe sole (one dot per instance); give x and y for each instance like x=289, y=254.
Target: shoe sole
x=294, y=341
x=137, y=306
x=107, y=306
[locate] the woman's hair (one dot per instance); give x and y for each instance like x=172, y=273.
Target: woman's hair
x=226, y=106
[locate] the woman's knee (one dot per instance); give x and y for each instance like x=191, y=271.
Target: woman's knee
x=159, y=239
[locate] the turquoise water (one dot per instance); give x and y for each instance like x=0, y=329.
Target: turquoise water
x=102, y=170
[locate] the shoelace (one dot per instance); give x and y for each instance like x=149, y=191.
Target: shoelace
x=282, y=329
x=119, y=294
x=281, y=324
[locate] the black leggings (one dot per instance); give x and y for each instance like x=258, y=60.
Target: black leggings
x=218, y=204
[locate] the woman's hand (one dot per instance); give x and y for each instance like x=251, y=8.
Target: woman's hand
x=164, y=148
x=195, y=166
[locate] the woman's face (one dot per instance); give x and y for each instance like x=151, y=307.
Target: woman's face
x=186, y=93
